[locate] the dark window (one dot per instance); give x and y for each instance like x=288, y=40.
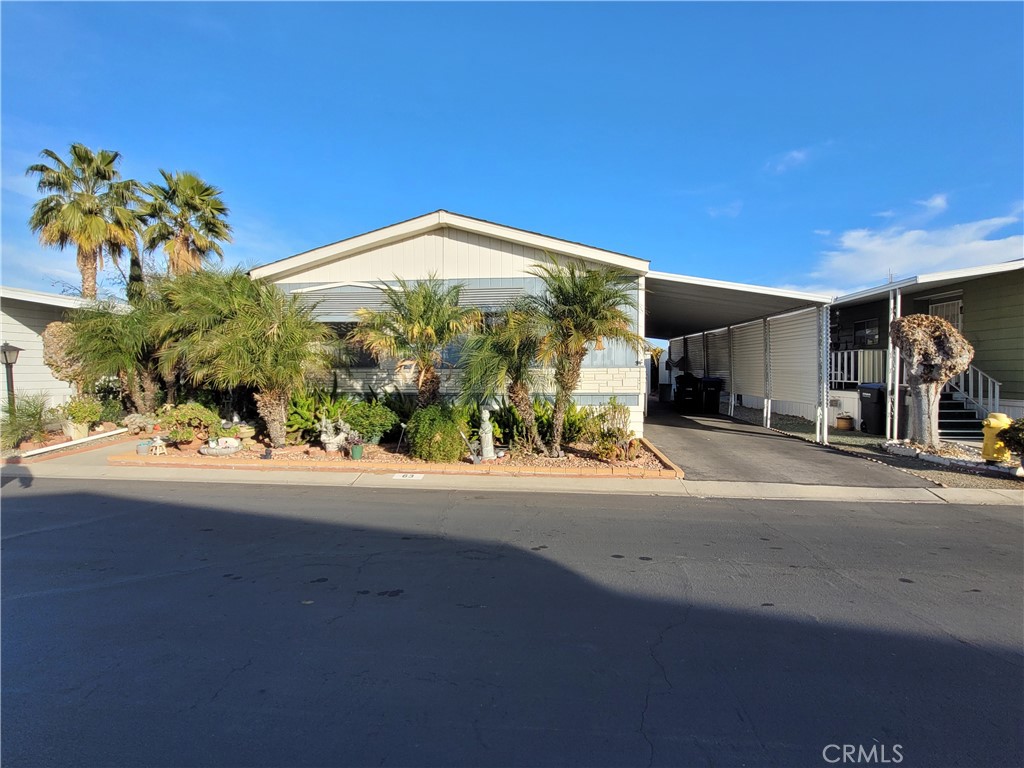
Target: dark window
x=356, y=355
x=865, y=333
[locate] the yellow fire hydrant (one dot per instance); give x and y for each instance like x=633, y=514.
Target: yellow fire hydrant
x=993, y=450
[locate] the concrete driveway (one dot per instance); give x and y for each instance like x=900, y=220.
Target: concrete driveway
x=168, y=624
x=720, y=448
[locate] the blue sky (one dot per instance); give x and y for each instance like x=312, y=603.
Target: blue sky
x=809, y=144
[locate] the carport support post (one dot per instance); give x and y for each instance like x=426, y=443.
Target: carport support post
x=766, y=333
x=824, y=344
x=892, y=370
x=732, y=375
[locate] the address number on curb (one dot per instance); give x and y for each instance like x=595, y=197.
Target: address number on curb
x=408, y=477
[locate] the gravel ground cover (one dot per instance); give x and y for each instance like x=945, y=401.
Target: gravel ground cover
x=871, y=446
x=576, y=456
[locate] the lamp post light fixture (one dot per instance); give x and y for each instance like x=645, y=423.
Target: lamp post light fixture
x=9, y=356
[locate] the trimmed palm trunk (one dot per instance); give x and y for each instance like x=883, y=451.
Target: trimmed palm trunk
x=567, y=378
x=934, y=352
x=519, y=396
x=87, y=265
x=272, y=407
x=429, y=389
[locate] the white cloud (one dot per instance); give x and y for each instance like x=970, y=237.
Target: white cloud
x=885, y=214
x=730, y=210
x=788, y=161
x=823, y=232
x=934, y=204
x=866, y=257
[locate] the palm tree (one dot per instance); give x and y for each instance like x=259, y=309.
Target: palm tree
x=503, y=357
x=185, y=215
x=580, y=307
x=108, y=340
x=229, y=331
x=86, y=204
x=418, y=322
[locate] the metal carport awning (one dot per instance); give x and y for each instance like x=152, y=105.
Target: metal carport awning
x=678, y=305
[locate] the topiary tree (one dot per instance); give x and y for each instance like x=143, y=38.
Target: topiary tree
x=934, y=352
x=65, y=366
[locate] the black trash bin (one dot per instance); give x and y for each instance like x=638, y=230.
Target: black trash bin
x=687, y=397
x=872, y=408
x=711, y=394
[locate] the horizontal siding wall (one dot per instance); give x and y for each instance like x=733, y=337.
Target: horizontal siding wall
x=794, y=356
x=717, y=344
x=597, y=386
x=448, y=252
x=695, y=354
x=994, y=324
x=22, y=324
x=748, y=359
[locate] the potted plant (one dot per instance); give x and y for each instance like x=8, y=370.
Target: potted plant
x=1013, y=438
x=355, y=446
x=844, y=421
x=180, y=435
x=80, y=413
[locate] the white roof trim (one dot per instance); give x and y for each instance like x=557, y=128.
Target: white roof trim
x=948, y=276
x=438, y=220
x=810, y=298
x=39, y=297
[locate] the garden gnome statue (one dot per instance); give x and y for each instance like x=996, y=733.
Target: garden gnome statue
x=486, y=436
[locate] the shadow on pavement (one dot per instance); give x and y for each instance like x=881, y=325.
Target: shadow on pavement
x=170, y=634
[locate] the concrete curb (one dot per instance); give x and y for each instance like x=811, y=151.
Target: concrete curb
x=71, y=448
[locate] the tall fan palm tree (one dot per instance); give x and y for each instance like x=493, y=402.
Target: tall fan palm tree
x=580, y=307
x=86, y=204
x=230, y=331
x=418, y=322
x=186, y=216
x=502, y=358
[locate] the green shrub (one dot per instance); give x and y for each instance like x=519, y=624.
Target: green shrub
x=181, y=434
x=434, y=435
x=309, y=406
x=111, y=410
x=402, y=404
x=188, y=416
x=607, y=428
x=371, y=419
x=28, y=421
x=1013, y=436
x=82, y=409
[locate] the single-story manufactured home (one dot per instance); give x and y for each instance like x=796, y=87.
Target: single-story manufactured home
x=494, y=264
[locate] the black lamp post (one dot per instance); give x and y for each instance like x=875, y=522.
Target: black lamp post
x=9, y=356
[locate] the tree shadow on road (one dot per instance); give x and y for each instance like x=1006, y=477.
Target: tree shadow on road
x=176, y=634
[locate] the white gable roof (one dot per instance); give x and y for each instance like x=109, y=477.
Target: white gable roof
x=39, y=297
x=438, y=220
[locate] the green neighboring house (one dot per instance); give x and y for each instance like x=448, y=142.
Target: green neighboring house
x=985, y=303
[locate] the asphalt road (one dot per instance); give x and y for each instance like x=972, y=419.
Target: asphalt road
x=183, y=625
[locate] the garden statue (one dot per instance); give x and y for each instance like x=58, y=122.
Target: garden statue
x=486, y=436
x=333, y=434
x=934, y=352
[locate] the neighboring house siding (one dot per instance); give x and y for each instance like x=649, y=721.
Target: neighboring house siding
x=993, y=322
x=22, y=325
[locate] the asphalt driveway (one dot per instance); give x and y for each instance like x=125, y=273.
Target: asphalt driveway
x=156, y=623
x=720, y=448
